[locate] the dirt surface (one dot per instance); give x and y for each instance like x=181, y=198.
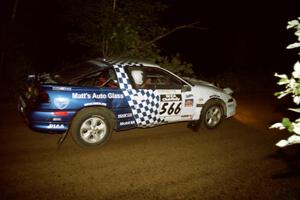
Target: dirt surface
x=238, y=160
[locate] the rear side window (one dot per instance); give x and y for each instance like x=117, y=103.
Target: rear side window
x=103, y=78
x=87, y=74
x=72, y=72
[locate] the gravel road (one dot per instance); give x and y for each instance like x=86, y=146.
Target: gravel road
x=238, y=160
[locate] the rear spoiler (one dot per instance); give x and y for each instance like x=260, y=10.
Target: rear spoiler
x=43, y=78
x=31, y=78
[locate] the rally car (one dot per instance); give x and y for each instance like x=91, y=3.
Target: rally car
x=93, y=98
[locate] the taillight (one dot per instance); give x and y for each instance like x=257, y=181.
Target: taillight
x=43, y=97
x=60, y=113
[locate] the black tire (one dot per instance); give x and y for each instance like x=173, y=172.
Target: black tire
x=92, y=127
x=212, y=114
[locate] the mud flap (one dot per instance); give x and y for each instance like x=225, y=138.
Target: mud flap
x=62, y=139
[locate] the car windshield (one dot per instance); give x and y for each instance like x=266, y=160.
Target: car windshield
x=69, y=73
x=189, y=80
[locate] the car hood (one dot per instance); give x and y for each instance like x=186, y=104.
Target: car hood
x=204, y=84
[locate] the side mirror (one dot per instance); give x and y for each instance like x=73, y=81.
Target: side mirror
x=186, y=88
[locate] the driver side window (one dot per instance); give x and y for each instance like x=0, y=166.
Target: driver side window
x=153, y=78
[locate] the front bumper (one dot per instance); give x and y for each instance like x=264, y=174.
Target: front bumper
x=231, y=108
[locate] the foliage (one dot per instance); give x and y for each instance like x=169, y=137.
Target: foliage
x=292, y=87
x=120, y=29
x=176, y=65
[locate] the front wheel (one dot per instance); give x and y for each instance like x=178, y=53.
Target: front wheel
x=211, y=115
x=91, y=127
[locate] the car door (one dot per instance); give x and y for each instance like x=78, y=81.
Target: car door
x=176, y=102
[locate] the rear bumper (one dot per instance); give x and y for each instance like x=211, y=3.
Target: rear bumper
x=44, y=121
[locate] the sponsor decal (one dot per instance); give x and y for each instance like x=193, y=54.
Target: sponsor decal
x=94, y=95
x=187, y=116
x=199, y=101
x=124, y=115
x=81, y=96
x=56, y=119
x=61, y=102
x=170, y=105
x=51, y=126
x=189, y=96
x=95, y=103
x=168, y=91
x=189, y=103
x=170, y=97
x=61, y=88
x=127, y=123
x=139, y=98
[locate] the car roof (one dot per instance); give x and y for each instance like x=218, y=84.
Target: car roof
x=106, y=62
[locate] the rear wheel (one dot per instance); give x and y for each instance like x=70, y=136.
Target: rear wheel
x=212, y=114
x=92, y=127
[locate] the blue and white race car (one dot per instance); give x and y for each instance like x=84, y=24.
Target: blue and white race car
x=91, y=99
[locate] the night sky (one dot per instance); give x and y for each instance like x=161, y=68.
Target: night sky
x=245, y=36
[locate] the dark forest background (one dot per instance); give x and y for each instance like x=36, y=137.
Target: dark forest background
x=237, y=44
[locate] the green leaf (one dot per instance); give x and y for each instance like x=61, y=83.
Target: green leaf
x=297, y=90
x=277, y=93
x=297, y=33
x=281, y=94
x=294, y=45
x=286, y=122
x=296, y=99
x=295, y=110
x=277, y=125
x=290, y=129
x=282, y=76
x=292, y=86
x=283, y=81
x=292, y=24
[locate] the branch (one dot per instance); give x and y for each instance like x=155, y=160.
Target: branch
x=14, y=11
x=192, y=25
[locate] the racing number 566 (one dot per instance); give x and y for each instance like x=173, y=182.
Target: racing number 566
x=170, y=108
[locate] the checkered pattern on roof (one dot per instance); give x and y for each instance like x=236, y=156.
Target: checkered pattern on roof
x=143, y=103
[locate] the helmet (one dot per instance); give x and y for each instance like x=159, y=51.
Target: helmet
x=137, y=76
